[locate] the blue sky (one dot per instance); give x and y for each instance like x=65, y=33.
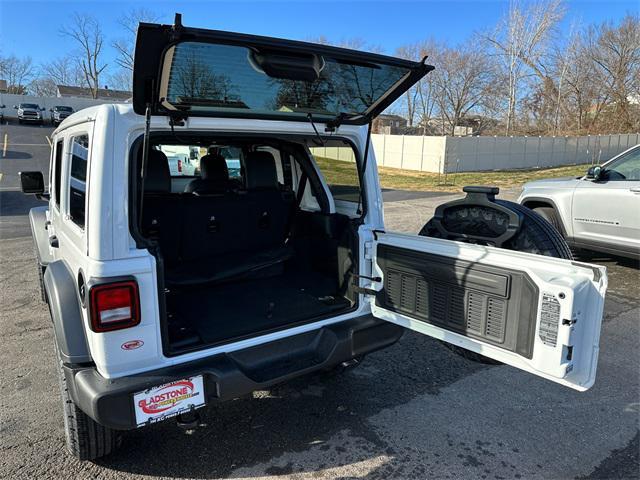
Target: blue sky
x=387, y=24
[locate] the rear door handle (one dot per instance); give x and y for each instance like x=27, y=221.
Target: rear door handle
x=53, y=241
x=635, y=189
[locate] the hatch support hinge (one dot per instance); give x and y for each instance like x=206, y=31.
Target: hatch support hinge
x=177, y=119
x=176, y=31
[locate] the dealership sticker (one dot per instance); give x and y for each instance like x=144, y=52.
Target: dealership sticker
x=168, y=400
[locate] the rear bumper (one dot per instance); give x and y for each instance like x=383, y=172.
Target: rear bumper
x=228, y=376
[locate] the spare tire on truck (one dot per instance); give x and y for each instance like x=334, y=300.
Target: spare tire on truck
x=481, y=219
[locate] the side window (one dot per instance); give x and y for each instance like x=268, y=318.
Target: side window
x=79, y=148
x=280, y=170
x=337, y=162
x=57, y=172
x=233, y=158
x=626, y=167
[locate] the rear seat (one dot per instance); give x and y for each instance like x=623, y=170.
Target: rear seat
x=235, y=234
x=162, y=210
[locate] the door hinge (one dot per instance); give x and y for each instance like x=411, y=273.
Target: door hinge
x=373, y=279
x=365, y=290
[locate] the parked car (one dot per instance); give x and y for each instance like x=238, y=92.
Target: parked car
x=166, y=298
x=29, y=112
x=2, y=113
x=598, y=211
x=59, y=113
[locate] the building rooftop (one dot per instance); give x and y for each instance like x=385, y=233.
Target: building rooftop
x=103, y=93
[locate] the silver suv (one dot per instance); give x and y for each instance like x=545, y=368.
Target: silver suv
x=599, y=211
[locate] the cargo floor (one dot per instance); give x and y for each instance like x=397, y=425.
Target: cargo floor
x=223, y=312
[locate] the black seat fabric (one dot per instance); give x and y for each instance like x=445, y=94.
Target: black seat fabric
x=158, y=176
x=214, y=176
x=269, y=205
x=162, y=210
x=217, y=234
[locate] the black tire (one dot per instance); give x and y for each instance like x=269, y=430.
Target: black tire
x=536, y=235
x=85, y=438
x=550, y=215
x=20, y=121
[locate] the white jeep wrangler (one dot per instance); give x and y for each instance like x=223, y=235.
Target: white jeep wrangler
x=169, y=293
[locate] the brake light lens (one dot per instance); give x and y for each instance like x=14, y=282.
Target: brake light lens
x=179, y=166
x=114, y=306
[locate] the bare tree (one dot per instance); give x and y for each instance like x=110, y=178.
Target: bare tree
x=125, y=46
x=120, y=80
x=615, y=53
x=462, y=80
x=18, y=72
x=420, y=100
x=86, y=32
x=43, y=87
x=64, y=71
x=521, y=40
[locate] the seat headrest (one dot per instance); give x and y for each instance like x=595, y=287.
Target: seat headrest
x=260, y=170
x=213, y=167
x=158, y=176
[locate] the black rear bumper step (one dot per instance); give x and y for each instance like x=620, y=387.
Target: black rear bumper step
x=228, y=376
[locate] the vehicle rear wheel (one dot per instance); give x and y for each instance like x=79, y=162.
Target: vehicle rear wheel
x=85, y=438
x=535, y=235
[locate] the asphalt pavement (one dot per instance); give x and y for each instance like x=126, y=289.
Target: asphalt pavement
x=415, y=410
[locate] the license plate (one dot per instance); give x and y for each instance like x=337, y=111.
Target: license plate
x=168, y=400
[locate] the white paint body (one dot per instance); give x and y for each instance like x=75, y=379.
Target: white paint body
x=105, y=248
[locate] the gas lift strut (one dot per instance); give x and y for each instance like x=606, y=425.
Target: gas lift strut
x=145, y=160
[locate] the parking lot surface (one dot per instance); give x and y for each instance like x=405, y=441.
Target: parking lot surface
x=415, y=410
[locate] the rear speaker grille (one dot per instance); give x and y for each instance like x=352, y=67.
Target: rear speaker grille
x=467, y=311
x=496, y=319
x=475, y=312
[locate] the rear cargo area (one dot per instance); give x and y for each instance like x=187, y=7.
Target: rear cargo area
x=214, y=314
x=240, y=259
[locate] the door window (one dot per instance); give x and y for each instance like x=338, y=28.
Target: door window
x=57, y=172
x=626, y=167
x=77, y=179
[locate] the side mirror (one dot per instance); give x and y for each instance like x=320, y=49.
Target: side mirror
x=51, y=110
x=15, y=107
x=2, y=106
x=594, y=172
x=32, y=182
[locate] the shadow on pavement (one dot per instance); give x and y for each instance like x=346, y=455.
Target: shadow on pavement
x=17, y=203
x=295, y=417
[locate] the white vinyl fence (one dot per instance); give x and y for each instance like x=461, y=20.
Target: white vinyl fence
x=472, y=154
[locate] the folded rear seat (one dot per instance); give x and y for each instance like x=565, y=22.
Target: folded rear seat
x=232, y=235
x=162, y=210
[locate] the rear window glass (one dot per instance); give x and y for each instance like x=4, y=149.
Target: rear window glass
x=184, y=160
x=213, y=77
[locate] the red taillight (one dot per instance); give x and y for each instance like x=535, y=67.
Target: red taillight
x=179, y=166
x=114, y=306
